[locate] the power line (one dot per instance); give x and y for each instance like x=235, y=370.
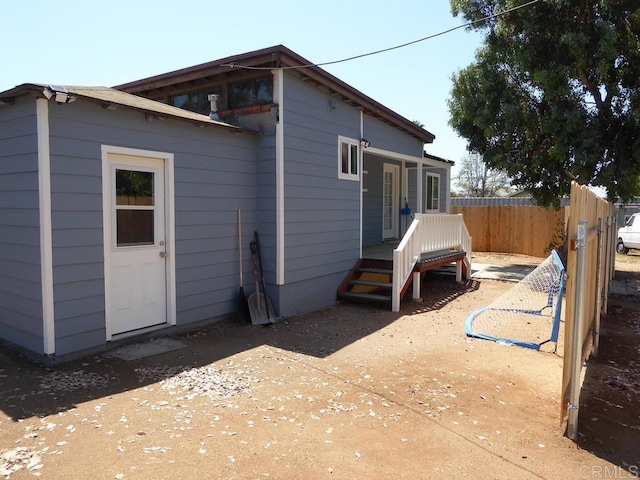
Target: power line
x=396, y=47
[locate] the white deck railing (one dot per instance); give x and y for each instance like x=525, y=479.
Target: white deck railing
x=427, y=233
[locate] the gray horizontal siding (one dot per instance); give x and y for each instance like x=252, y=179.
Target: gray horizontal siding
x=20, y=274
x=322, y=224
x=17, y=217
x=67, y=341
x=265, y=213
x=413, y=187
x=76, y=202
x=215, y=174
x=383, y=135
x=10, y=183
x=20, y=200
x=372, y=201
x=309, y=295
x=18, y=299
x=322, y=212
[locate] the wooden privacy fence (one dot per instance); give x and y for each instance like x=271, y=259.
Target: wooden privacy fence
x=590, y=265
x=524, y=230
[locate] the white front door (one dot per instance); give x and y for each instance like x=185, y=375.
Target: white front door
x=136, y=257
x=390, y=209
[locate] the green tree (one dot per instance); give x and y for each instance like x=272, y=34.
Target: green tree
x=554, y=94
x=476, y=179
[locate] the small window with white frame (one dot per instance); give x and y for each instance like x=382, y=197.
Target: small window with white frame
x=432, y=193
x=348, y=159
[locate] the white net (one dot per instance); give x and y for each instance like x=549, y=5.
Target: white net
x=529, y=313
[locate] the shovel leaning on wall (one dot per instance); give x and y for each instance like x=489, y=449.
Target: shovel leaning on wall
x=260, y=307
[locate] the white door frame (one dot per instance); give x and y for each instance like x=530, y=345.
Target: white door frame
x=426, y=192
x=169, y=208
x=395, y=209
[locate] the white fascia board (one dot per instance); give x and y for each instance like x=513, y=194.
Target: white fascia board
x=46, y=241
x=381, y=152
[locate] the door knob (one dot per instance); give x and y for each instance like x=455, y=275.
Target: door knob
x=163, y=254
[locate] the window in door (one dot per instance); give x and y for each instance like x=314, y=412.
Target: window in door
x=135, y=208
x=390, y=209
x=432, y=194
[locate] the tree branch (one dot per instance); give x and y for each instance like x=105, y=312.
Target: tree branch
x=570, y=176
x=593, y=89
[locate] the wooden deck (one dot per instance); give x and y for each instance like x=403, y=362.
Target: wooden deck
x=382, y=251
x=429, y=240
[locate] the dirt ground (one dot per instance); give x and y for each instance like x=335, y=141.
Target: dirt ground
x=350, y=392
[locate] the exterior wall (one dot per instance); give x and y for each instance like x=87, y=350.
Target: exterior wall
x=445, y=187
x=372, y=199
x=322, y=212
x=216, y=172
x=412, y=187
x=265, y=212
x=20, y=275
x=382, y=135
x=214, y=176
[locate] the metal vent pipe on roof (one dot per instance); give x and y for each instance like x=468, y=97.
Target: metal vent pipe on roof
x=213, y=100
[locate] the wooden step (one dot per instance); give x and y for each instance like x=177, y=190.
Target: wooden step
x=372, y=280
x=375, y=270
x=366, y=296
x=370, y=283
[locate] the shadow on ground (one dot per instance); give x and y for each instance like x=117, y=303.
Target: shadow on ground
x=609, y=416
x=438, y=290
x=29, y=389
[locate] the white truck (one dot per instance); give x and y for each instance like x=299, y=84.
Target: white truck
x=629, y=235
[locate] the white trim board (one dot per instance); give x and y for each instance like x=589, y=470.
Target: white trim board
x=380, y=152
x=46, y=241
x=361, y=178
x=278, y=98
x=394, y=169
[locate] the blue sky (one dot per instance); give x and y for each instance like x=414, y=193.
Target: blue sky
x=107, y=43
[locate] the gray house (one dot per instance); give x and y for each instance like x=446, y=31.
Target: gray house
x=119, y=211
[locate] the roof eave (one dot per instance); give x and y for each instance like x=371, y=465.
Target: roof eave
x=23, y=89
x=254, y=58
x=439, y=159
x=276, y=57
x=36, y=90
